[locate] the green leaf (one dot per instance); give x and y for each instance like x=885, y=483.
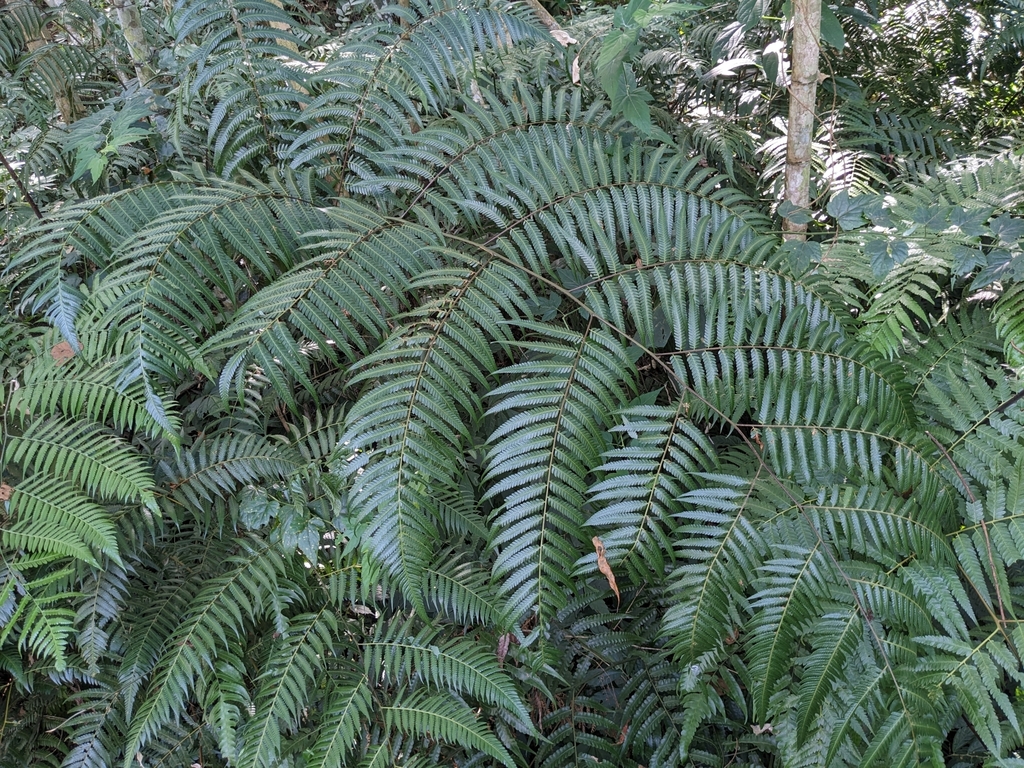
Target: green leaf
x=966, y=260
x=933, y=217
x=801, y=254
x=848, y=212
x=832, y=28
x=1009, y=229
x=749, y=13
x=882, y=260
x=615, y=50
x=634, y=105
x=257, y=508
x=971, y=221
x=794, y=213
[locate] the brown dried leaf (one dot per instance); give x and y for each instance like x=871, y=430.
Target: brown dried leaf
x=503, y=643
x=62, y=352
x=563, y=37
x=603, y=567
x=474, y=91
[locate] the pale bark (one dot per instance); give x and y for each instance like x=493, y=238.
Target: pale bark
x=61, y=98
x=285, y=42
x=130, y=19
x=542, y=14
x=802, y=94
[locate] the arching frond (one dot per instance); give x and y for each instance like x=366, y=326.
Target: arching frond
x=376, y=395
x=246, y=591
x=443, y=717
x=378, y=84
x=540, y=457
x=295, y=666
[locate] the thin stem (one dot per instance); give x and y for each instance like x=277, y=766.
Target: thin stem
x=22, y=187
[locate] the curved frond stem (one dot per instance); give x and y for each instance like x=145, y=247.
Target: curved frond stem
x=490, y=138
x=756, y=451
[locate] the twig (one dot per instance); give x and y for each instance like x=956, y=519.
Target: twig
x=1019, y=396
x=22, y=187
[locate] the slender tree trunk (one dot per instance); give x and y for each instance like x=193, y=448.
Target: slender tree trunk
x=36, y=39
x=130, y=19
x=21, y=185
x=284, y=42
x=802, y=93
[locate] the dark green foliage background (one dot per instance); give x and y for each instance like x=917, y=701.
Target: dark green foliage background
x=336, y=348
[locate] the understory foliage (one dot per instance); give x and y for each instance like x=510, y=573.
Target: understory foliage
x=377, y=394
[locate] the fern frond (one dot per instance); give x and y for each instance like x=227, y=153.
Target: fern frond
x=39, y=616
x=408, y=432
x=643, y=481
x=152, y=616
x=444, y=156
x=836, y=638
x=83, y=388
x=778, y=613
x=458, y=665
x=225, y=697
x=246, y=56
x=338, y=300
x=462, y=592
x=346, y=711
x=969, y=337
x=95, y=727
x=51, y=516
x=249, y=590
x=578, y=733
x=295, y=665
x=441, y=716
x=103, y=596
x=650, y=716
x=378, y=85
x=95, y=227
x=541, y=455
x=720, y=551
x=220, y=466
x=80, y=452
x=980, y=672
x=162, y=312
x=861, y=518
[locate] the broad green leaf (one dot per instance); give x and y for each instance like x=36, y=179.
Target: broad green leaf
x=832, y=28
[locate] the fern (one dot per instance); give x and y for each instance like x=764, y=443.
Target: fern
x=295, y=664
x=539, y=458
x=377, y=395
x=247, y=590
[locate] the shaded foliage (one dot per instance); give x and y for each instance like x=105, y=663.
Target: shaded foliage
x=348, y=363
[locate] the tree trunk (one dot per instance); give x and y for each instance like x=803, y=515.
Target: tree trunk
x=36, y=38
x=803, y=89
x=130, y=19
